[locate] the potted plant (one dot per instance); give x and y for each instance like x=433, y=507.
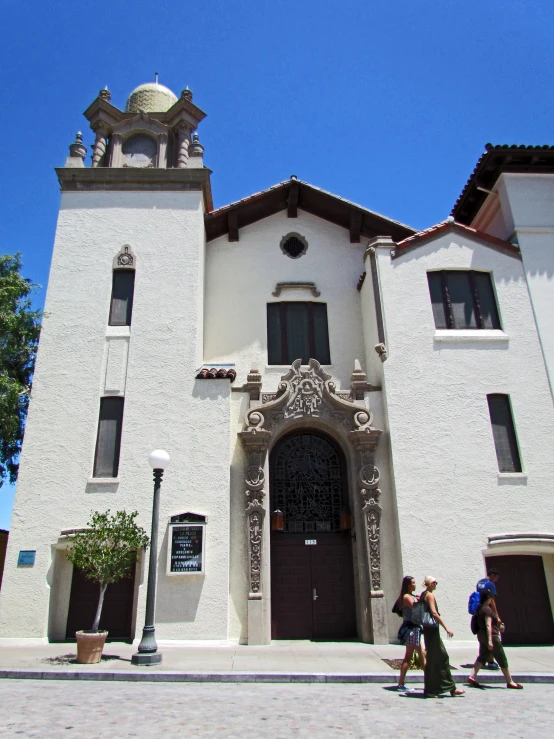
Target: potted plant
x=105, y=552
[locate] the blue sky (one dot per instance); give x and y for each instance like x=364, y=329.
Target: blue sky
x=387, y=103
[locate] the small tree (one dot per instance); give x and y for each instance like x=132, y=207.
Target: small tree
x=107, y=550
x=19, y=332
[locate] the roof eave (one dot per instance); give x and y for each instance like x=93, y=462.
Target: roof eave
x=293, y=195
x=495, y=161
x=441, y=229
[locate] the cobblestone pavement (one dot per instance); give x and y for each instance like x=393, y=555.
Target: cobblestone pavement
x=98, y=710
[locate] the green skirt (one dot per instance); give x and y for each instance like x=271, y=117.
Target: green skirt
x=438, y=678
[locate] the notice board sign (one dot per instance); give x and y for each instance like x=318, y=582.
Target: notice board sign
x=186, y=547
x=26, y=557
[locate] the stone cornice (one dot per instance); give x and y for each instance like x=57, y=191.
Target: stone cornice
x=129, y=178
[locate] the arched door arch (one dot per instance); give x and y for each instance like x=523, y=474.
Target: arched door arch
x=308, y=397
x=312, y=580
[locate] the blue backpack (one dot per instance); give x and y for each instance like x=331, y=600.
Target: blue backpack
x=473, y=602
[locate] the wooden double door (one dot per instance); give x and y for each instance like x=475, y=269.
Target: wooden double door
x=523, y=600
x=312, y=587
x=312, y=580
x=117, y=611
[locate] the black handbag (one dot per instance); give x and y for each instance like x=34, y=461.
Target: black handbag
x=421, y=615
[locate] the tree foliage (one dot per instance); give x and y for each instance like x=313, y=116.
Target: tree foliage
x=107, y=549
x=19, y=333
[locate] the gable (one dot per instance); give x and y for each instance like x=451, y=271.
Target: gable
x=467, y=233
x=293, y=195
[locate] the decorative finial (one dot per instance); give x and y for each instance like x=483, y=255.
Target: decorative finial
x=196, y=149
x=156, y=76
x=105, y=94
x=293, y=177
x=186, y=94
x=450, y=219
x=77, y=149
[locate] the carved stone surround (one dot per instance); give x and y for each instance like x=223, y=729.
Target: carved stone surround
x=308, y=392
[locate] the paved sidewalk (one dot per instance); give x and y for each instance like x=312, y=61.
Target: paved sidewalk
x=282, y=661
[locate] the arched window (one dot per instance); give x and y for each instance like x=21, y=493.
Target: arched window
x=139, y=150
x=123, y=287
x=307, y=483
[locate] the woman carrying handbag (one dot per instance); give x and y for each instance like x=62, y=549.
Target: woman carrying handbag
x=438, y=678
x=409, y=633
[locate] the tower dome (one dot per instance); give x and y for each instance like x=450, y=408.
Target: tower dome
x=151, y=97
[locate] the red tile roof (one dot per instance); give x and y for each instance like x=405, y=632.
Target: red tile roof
x=310, y=199
x=497, y=159
x=440, y=228
x=216, y=374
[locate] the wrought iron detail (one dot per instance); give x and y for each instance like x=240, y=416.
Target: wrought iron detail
x=294, y=245
x=307, y=484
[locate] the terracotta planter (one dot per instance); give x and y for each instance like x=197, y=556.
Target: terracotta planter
x=89, y=646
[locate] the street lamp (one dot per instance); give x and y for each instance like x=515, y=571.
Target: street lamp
x=148, y=649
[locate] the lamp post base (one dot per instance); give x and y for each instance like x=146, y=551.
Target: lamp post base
x=143, y=658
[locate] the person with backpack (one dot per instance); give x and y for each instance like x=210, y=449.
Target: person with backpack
x=489, y=628
x=438, y=678
x=409, y=633
x=489, y=582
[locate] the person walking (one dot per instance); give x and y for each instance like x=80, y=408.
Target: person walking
x=438, y=678
x=489, y=582
x=409, y=633
x=488, y=635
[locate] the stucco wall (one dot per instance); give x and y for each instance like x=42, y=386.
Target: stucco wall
x=240, y=279
x=449, y=493
x=529, y=199
x=165, y=407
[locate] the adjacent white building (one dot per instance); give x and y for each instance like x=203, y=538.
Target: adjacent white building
x=344, y=400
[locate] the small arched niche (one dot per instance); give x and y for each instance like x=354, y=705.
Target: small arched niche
x=139, y=150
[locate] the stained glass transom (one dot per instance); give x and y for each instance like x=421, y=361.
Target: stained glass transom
x=307, y=484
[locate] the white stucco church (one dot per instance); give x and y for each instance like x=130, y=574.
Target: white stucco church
x=345, y=400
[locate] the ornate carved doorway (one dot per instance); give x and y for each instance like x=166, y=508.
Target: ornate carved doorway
x=312, y=581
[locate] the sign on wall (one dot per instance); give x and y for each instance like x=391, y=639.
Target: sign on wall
x=186, y=545
x=26, y=557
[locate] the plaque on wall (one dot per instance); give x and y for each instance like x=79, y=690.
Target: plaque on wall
x=26, y=557
x=186, y=547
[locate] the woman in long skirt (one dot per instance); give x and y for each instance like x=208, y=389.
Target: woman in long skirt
x=438, y=678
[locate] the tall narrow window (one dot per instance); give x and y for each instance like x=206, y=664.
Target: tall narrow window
x=108, y=441
x=297, y=331
x=504, y=434
x=463, y=299
x=123, y=287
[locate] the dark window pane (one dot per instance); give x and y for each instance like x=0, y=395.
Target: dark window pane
x=297, y=331
x=297, y=328
x=274, y=349
x=487, y=302
x=459, y=289
x=123, y=286
x=106, y=459
x=321, y=333
x=503, y=433
x=437, y=299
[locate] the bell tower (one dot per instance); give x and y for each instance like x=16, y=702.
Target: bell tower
x=155, y=131
x=120, y=349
